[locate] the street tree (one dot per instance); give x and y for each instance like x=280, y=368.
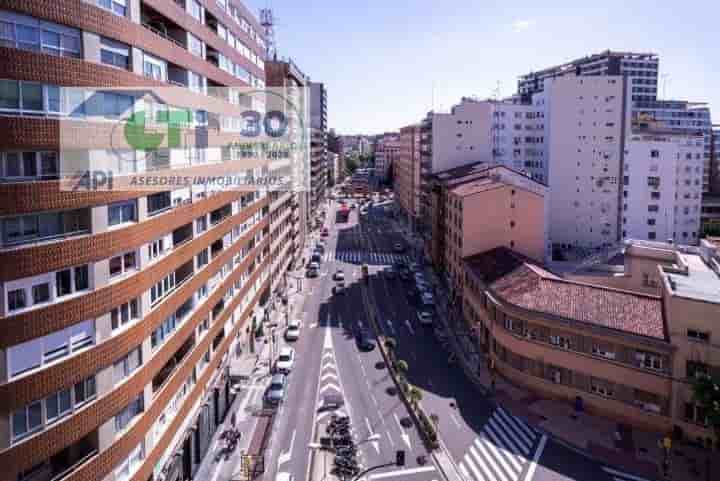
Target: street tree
x=415, y=395
x=706, y=393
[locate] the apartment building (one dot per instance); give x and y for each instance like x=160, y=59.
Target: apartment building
x=618, y=352
x=122, y=310
x=318, y=144
x=584, y=137
x=715, y=159
x=387, y=150
x=333, y=168
x=492, y=207
x=641, y=70
x=407, y=172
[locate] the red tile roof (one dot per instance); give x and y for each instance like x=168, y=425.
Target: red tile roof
x=519, y=281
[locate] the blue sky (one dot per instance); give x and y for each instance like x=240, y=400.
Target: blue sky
x=380, y=58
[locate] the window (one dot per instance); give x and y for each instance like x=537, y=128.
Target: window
x=124, y=417
x=157, y=248
x=696, y=414
x=124, y=313
x=696, y=369
x=118, y=7
x=649, y=360
x=603, y=351
x=159, y=202
x=602, y=388
x=123, y=263
x=43, y=350
x=196, y=10
x=154, y=68
x=17, y=300
x=58, y=404
x=84, y=391
x=653, y=208
x=196, y=46
x=27, y=420
x=122, y=212
x=654, y=154
x=69, y=281
x=696, y=335
x=202, y=258
x=112, y=105
x=127, y=365
x=167, y=327
x=28, y=165
x=28, y=33
x=162, y=288
x=114, y=53
x=128, y=467
x=201, y=224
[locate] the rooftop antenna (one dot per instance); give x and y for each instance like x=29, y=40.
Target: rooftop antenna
x=267, y=21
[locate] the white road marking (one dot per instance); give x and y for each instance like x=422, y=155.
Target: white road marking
x=403, y=434
x=286, y=456
x=495, y=432
x=403, y=472
x=474, y=469
x=409, y=326
x=390, y=438
x=375, y=444
x=332, y=386
x=455, y=420
x=464, y=471
x=328, y=375
x=538, y=452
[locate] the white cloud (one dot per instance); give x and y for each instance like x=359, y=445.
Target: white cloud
x=522, y=25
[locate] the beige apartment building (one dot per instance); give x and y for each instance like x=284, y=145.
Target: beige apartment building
x=407, y=171
x=629, y=353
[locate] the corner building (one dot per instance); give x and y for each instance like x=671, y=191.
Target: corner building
x=121, y=311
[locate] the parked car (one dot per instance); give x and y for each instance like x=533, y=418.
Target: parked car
x=316, y=258
x=427, y=299
x=324, y=232
x=364, y=340
x=339, y=288
x=292, y=333
x=425, y=317
x=313, y=270
x=275, y=393
x=398, y=247
x=339, y=275
x=286, y=360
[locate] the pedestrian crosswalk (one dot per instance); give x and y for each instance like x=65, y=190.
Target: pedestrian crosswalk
x=374, y=258
x=616, y=475
x=502, y=450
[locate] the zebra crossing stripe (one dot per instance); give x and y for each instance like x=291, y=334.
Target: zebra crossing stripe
x=474, y=469
x=530, y=432
x=464, y=471
x=497, y=461
x=620, y=476
x=508, y=442
x=490, y=469
x=511, y=457
x=512, y=471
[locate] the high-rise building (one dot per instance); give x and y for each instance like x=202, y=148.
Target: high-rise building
x=641, y=69
x=387, y=149
x=318, y=143
x=123, y=311
x=407, y=172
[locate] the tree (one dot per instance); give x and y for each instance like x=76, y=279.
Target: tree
x=333, y=141
x=415, y=395
x=351, y=164
x=706, y=393
x=402, y=367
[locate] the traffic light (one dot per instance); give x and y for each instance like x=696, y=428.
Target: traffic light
x=400, y=458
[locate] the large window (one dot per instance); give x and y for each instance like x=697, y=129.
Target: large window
x=32, y=291
x=27, y=420
x=154, y=68
x=70, y=281
x=128, y=467
x=124, y=314
x=122, y=212
x=123, y=264
x=196, y=46
x=28, y=165
x=127, y=365
x=28, y=33
x=159, y=202
x=167, y=327
x=43, y=350
x=118, y=7
x=124, y=417
x=114, y=53
x=162, y=288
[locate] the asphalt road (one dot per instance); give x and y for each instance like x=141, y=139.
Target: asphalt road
x=486, y=442
x=328, y=362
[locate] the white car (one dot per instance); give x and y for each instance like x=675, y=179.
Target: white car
x=292, y=333
x=285, y=360
x=339, y=275
x=284, y=477
x=425, y=317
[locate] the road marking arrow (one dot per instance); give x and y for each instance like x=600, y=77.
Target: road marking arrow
x=286, y=456
x=331, y=385
x=375, y=444
x=403, y=435
x=328, y=375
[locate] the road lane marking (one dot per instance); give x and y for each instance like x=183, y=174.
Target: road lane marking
x=455, y=420
x=286, y=456
x=409, y=326
x=402, y=472
x=533, y=464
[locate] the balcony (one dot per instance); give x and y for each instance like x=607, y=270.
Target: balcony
x=166, y=371
x=182, y=234
x=63, y=464
x=218, y=215
x=162, y=26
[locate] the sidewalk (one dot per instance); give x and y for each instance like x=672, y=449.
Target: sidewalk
x=592, y=436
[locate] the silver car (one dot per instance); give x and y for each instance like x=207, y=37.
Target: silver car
x=276, y=391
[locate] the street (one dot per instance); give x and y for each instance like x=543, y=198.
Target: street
x=484, y=441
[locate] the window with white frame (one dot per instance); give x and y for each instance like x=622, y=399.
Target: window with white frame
x=649, y=360
x=125, y=314
x=130, y=412
x=28, y=165
x=158, y=202
x=44, y=350
x=163, y=331
x=162, y=288
x=118, y=7
x=196, y=82
x=196, y=46
x=71, y=281
x=122, y=212
x=128, y=467
x=154, y=68
x=601, y=388
x=28, y=33
x=196, y=10
x=123, y=264
x=127, y=365
x=44, y=226
x=158, y=248
x=114, y=53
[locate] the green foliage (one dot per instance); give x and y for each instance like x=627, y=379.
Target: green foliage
x=706, y=393
x=415, y=395
x=401, y=366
